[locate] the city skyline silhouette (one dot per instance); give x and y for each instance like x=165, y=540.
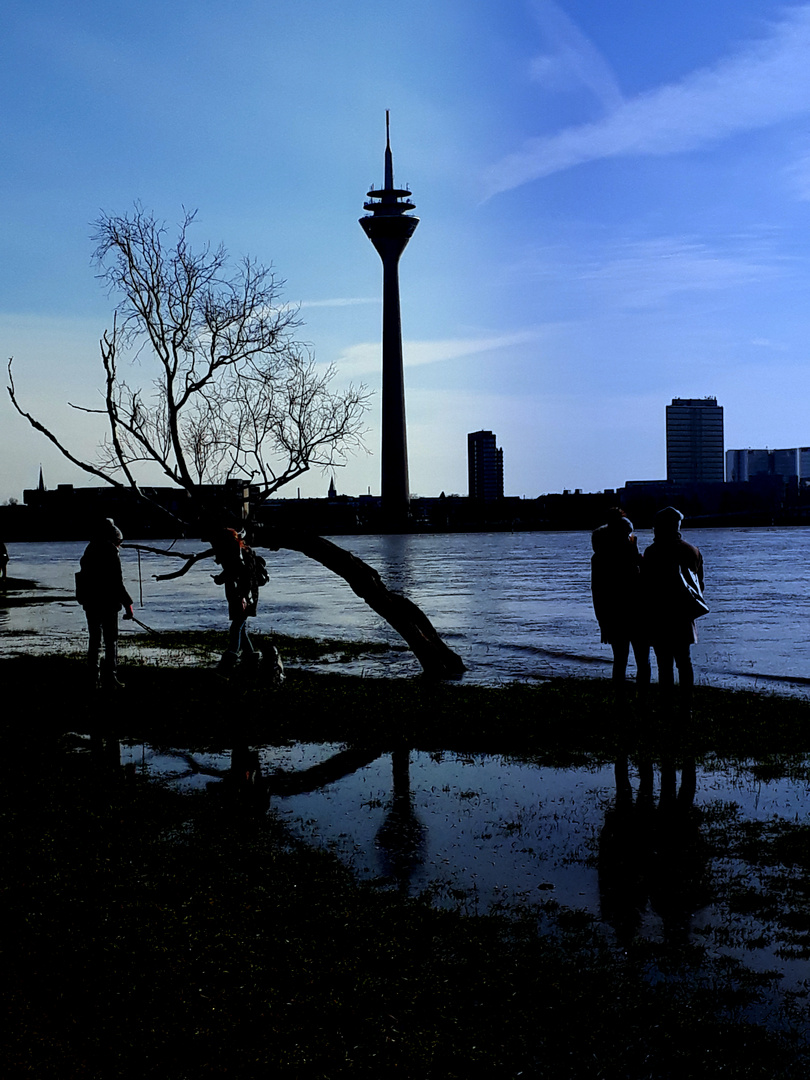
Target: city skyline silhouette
x=614, y=213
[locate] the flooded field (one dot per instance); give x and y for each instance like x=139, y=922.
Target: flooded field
x=674, y=855
x=694, y=856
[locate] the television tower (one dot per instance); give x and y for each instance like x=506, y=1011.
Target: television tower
x=389, y=228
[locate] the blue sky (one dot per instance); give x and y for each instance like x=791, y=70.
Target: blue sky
x=614, y=202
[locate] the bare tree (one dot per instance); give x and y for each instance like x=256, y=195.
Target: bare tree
x=218, y=388
x=223, y=389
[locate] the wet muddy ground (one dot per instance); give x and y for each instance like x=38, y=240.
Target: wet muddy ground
x=688, y=857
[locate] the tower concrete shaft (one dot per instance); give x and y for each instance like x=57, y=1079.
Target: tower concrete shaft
x=389, y=228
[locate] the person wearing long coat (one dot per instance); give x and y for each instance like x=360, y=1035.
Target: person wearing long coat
x=617, y=600
x=667, y=564
x=101, y=592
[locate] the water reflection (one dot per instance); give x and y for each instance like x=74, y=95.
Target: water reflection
x=401, y=837
x=652, y=854
x=497, y=827
x=626, y=841
x=396, y=563
x=244, y=789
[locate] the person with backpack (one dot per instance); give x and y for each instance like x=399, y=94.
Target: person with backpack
x=243, y=573
x=101, y=592
x=616, y=592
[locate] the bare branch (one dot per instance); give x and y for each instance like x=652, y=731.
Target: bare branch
x=84, y=465
x=168, y=552
x=191, y=560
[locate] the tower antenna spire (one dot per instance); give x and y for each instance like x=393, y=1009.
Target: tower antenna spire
x=389, y=158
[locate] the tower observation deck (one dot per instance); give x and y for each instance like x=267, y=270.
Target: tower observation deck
x=389, y=227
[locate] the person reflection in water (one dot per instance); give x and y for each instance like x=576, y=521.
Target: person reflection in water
x=616, y=591
x=671, y=622
x=653, y=858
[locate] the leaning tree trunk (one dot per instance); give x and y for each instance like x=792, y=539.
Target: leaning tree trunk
x=436, y=658
x=402, y=614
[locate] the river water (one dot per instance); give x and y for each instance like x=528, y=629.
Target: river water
x=514, y=605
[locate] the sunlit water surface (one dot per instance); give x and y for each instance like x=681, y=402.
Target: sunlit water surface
x=514, y=605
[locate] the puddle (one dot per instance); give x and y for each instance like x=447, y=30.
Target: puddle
x=658, y=858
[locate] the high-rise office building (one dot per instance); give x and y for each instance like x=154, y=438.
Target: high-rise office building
x=695, y=441
x=484, y=466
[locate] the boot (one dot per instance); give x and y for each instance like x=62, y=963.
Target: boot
x=109, y=679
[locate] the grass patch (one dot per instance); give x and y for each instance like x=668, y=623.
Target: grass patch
x=295, y=650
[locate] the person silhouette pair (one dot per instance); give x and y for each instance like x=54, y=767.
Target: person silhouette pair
x=648, y=600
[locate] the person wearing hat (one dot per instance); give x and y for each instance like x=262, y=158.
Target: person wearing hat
x=101, y=592
x=616, y=592
x=672, y=573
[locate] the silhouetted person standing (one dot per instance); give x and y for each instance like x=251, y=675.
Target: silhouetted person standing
x=3, y=562
x=101, y=592
x=672, y=574
x=242, y=574
x=616, y=591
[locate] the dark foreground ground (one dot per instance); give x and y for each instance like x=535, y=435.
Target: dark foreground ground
x=147, y=933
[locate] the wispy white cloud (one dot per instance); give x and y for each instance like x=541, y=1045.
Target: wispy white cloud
x=767, y=343
x=365, y=358
x=764, y=83
x=573, y=60
x=649, y=272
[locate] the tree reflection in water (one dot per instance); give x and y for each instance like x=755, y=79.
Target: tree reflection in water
x=400, y=839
